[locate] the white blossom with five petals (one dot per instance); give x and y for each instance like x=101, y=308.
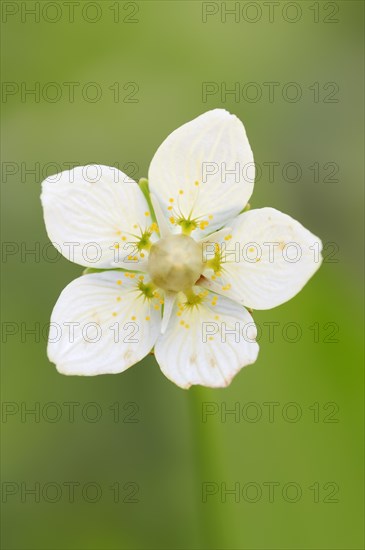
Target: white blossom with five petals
x=178, y=267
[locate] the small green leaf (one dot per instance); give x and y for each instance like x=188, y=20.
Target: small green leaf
x=246, y=208
x=143, y=183
x=89, y=270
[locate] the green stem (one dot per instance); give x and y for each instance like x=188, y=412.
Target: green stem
x=208, y=468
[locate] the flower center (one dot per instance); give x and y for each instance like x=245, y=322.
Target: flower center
x=175, y=263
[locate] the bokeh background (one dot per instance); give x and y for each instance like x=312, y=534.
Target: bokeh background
x=157, y=450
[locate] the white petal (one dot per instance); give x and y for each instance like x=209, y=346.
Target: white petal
x=100, y=325
x=208, y=344
x=269, y=258
x=169, y=301
x=93, y=215
x=217, y=236
x=210, y=160
x=163, y=225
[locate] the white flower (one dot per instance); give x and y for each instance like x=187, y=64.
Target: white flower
x=179, y=285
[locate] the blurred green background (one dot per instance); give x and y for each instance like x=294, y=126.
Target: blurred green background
x=168, y=52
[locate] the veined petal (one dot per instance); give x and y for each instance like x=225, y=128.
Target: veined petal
x=207, y=344
x=203, y=171
x=266, y=260
x=101, y=325
x=95, y=216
